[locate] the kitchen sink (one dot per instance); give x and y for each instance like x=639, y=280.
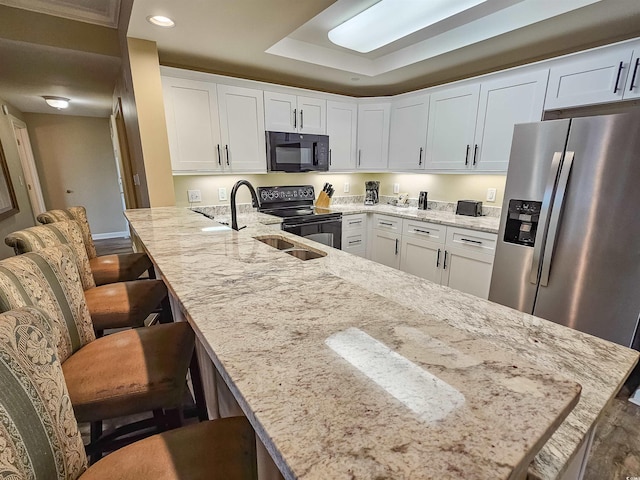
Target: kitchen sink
x=275, y=242
x=304, y=254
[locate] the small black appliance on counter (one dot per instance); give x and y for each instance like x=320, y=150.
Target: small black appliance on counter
x=422, y=201
x=472, y=208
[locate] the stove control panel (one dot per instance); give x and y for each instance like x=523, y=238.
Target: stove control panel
x=289, y=194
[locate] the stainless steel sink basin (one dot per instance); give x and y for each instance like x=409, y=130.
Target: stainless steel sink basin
x=276, y=242
x=304, y=254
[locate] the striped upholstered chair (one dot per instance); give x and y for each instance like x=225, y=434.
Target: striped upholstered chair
x=106, y=268
x=114, y=305
x=39, y=437
x=133, y=371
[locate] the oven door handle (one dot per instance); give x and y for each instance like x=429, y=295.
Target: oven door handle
x=321, y=222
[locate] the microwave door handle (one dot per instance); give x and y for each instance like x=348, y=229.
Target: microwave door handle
x=554, y=222
x=315, y=150
x=544, y=216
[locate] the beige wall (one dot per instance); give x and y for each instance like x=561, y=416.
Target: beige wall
x=24, y=218
x=76, y=153
x=448, y=188
x=147, y=90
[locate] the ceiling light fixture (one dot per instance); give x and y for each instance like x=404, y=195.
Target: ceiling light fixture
x=161, y=21
x=56, y=102
x=390, y=20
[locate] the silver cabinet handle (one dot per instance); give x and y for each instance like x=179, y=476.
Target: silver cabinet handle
x=219, y=159
x=396, y=246
x=386, y=224
x=615, y=88
x=444, y=265
x=352, y=242
x=477, y=242
x=301, y=120
x=466, y=158
x=359, y=157
x=556, y=211
x=541, y=236
x=635, y=72
x=226, y=149
x=354, y=222
x=420, y=157
x=422, y=231
x=475, y=154
x=295, y=118
x=438, y=259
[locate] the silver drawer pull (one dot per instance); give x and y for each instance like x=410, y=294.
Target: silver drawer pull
x=477, y=242
x=422, y=231
x=352, y=242
x=355, y=221
x=387, y=224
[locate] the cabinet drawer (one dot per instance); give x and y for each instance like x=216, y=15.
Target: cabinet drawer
x=355, y=222
x=354, y=243
x=480, y=242
x=387, y=222
x=425, y=230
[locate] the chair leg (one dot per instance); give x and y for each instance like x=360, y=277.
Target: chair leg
x=174, y=418
x=95, y=434
x=198, y=390
x=152, y=272
x=165, y=313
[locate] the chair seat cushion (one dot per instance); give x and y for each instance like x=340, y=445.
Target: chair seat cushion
x=119, y=268
x=215, y=450
x=124, y=304
x=128, y=372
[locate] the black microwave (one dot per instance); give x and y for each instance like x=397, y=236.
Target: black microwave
x=297, y=152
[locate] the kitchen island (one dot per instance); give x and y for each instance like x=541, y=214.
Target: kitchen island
x=279, y=331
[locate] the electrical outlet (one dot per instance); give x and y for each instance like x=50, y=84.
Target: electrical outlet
x=491, y=194
x=346, y=187
x=194, y=196
x=222, y=193
x=396, y=188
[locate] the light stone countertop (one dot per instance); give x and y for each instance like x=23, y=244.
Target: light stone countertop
x=279, y=330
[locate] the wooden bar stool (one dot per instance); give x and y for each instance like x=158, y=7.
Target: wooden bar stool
x=134, y=371
x=106, y=268
x=40, y=438
x=114, y=305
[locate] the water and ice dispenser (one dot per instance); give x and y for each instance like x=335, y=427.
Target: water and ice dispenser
x=522, y=222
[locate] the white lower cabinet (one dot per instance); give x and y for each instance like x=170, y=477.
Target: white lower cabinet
x=455, y=257
x=354, y=234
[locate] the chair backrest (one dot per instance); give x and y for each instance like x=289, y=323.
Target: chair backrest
x=61, y=233
x=48, y=279
x=39, y=436
x=79, y=214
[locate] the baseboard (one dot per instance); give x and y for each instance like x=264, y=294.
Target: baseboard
x=103, y=236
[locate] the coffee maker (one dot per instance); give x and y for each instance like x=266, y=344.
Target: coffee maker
x=372, y=189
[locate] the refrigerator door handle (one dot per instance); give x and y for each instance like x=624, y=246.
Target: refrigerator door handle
x=544, y=215
x=555, y=217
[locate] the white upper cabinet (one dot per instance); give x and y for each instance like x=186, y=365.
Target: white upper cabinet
x=505, y=102
x=191, y=114
x=632, y=87
x=451, y=128
x=408, y=133
x=591, y=77
x=373, y=136
x=342, y=124
x=291, y=113
x=242, y=130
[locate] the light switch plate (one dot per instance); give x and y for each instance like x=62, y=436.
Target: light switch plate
x=396, y=188
x=194, y=196
x=346, y=187
x=491, y=194
x=222, y=193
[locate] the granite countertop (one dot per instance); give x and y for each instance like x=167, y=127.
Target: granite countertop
x=280, y=331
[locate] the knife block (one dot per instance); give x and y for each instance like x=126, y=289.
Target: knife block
x=323, y=200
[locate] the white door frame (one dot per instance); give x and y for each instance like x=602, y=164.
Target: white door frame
x=29, y=170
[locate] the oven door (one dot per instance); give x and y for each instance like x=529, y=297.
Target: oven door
x=327, y=232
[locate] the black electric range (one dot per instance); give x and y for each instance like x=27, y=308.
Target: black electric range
x=294, y=204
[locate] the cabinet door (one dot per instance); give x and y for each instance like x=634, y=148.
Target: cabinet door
x=191, y=113
x=408, y=133
x=312, y=115
x=422, y=258
x=242, y=129
x=593, y=77
x=373, y=136
x=385, y=248
x=503, y=103
x=469, y=272
x=451, y=128
x=342, y=124
x=280, y=112
x=632, y=87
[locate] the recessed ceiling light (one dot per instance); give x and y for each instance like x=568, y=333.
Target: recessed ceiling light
x=56, y=102
x=161, y=21
x=372, y=28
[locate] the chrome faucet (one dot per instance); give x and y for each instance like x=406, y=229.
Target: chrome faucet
x=254, y=201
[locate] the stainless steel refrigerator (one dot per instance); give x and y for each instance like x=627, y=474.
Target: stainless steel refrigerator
x=569, y=241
